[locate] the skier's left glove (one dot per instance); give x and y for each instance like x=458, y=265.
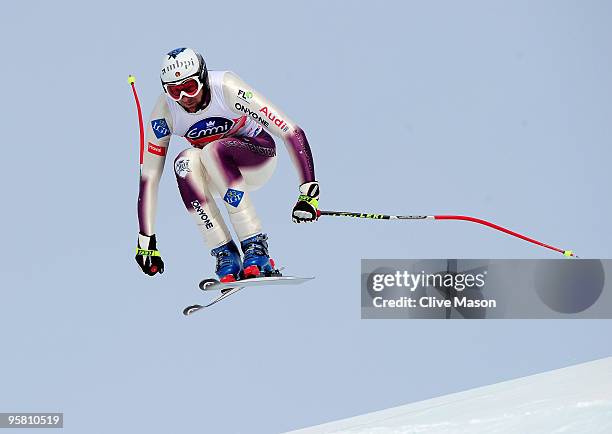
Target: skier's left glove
x=305, y=210
x=147, y=255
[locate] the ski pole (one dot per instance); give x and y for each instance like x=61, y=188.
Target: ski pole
x=131, y=81
x=568, y=253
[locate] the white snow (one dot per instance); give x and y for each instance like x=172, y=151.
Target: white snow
x=576, y=399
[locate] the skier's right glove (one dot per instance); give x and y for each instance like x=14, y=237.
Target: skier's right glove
x=147, y=255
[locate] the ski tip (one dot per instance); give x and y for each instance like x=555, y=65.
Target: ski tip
x=570, y=253
x=206, y=283
x=191, y=309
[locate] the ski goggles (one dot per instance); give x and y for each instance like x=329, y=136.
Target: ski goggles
x=190, y=87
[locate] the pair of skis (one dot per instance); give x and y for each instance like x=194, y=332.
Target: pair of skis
x=231, y=288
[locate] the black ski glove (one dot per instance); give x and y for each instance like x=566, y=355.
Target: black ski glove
x=305, y=210
x=147, y=255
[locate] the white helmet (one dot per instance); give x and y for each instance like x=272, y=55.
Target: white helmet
x=181, y=63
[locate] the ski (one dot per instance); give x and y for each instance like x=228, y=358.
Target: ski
x=230, y=288
x=189, y=310
x=209, y=285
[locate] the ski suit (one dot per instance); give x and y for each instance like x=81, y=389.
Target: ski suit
x=231, y=154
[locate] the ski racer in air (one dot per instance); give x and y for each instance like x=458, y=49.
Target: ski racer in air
x=228, y=125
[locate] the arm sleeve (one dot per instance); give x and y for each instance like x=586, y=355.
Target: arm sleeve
x=243, y=99
x=157, y=138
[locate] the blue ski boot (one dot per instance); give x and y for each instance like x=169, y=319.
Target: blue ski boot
x=256, y=258
x=229, y=264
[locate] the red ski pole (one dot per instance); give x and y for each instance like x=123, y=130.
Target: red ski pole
x=131, y=81
x=568, y=253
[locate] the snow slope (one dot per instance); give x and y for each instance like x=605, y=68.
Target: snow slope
x=576, y=399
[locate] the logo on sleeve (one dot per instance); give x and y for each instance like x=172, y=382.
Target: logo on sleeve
x=233, y=197
x=258, y=118
x=160, y=128
x=280, y=123
x=245, y=95
x=157, y=150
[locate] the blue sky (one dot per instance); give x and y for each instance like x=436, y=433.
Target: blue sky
x=495, y=109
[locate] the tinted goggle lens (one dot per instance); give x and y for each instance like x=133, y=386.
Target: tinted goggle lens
x=189, y=87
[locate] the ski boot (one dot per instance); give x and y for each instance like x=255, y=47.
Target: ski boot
x=229, y=264
x=256, y=258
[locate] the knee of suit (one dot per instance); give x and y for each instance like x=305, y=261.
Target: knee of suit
x=187, y=162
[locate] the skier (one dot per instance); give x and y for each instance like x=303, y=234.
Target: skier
x=227, y=123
